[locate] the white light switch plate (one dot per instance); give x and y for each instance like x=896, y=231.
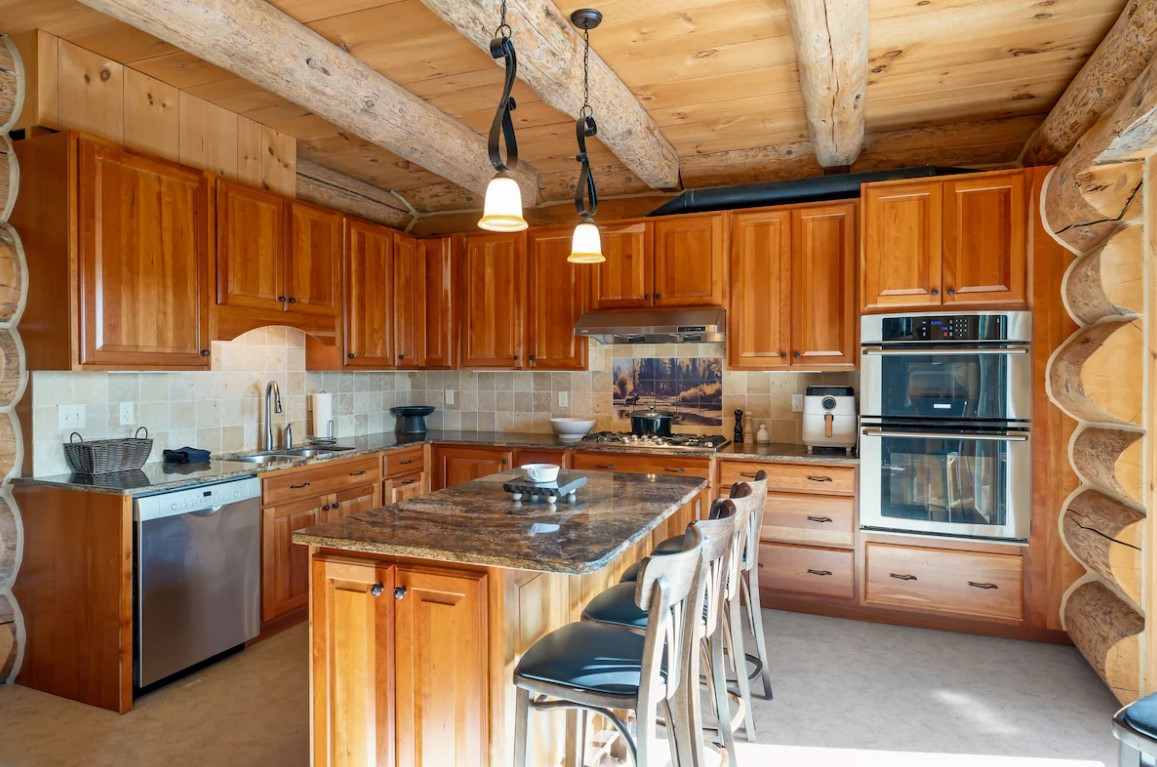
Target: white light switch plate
x=564, y=399
x=449, y=396
x=69, y=417
x=797, y=403
x=126, y=414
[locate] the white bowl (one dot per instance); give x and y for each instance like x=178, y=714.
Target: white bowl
x=541, y=472
x=571, y=429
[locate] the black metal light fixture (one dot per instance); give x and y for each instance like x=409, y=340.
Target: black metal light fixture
x=502, y=210
x=586, y=245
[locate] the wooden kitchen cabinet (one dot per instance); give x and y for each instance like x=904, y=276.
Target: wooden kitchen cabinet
x=313, y=261
x=352, y=501
x=251, y=244
x=689, y=260
x=985, y=245
x=493, y=300
x=626, y=279
x=758, y=335
x=408, y=304
x=454, y=465
x=438, y=318
x=902, y=245
x=284, y=565
x=403, y=487
x=557, y=296
x=369, y=295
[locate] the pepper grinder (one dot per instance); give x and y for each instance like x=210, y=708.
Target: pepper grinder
x=748, y=431
x=738, y=427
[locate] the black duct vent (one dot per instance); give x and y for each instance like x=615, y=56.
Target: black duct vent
x=835, y=187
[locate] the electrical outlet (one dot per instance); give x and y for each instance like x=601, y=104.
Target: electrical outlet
x=126, y=418
x=797, y=403
x=449, y=396
x=564, y=399
x=70, y=417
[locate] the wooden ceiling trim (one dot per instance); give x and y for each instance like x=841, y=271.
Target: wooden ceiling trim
x=251, y=38
x=322, y=186
x=831, y=41
x=551, y=63
x=1100, y=84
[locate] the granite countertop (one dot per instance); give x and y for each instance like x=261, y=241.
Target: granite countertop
x=478, y=523
x=161, y=477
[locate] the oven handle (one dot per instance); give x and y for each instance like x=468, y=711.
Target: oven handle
x=939, y=435
x=941, y=351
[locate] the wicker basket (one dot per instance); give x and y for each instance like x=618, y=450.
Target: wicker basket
x=103, y=456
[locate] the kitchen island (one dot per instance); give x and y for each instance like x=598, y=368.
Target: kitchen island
x=419, y=611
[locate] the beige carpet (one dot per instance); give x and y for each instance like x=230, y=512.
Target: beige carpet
x=847, y=694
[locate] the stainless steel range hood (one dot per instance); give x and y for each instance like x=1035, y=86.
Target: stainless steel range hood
x=706, y=324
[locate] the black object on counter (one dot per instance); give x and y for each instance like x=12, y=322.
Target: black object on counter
x=187, y=455
x=411, y=418
x=738, y=427
x=652, y=422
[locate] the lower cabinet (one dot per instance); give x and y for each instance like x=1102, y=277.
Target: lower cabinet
x=401, y=659
x=404, y=487
x=454, y=465
x=807, y=570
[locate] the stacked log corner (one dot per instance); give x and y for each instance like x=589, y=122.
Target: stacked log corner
x=13, y=378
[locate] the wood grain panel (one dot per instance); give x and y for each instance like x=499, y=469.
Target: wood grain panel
x=557, y=296
x=626, y=279
x=806, y=570
x=985, y=259
x=310, y=481
x=207, y=136
x=823, y=286
x=901, y=239
x=817, y=519
x=151, y=116
x=440, y=325
x=690, y=260
x=758, y=314
x=251, y=233
x=92, y=95
x=492, y=333
x=313, y=261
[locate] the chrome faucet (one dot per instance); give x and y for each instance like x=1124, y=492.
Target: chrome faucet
x=272, y=405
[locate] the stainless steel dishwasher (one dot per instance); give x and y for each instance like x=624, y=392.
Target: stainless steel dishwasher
x=197, y=576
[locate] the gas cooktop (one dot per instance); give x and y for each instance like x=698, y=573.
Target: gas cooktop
x=701, y=442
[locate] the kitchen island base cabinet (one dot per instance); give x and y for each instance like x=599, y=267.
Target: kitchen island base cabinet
x=455, y=465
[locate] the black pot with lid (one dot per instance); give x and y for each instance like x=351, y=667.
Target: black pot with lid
x=411, y=418
x=652, y=422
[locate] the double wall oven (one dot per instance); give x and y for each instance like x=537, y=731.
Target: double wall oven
x=945, y=409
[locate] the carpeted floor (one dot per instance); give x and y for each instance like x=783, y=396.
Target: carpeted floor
x=846, y=693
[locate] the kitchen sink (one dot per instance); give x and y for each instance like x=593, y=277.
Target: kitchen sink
x=306, y=452
x=262, y=458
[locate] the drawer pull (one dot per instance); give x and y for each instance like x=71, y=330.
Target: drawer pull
x=985, y=586
x=819, y=519
x=674, y=470
x=357, y=473
x=815, y=478
x=301, y=486
x=750, y=474
x=902, y=576
x=406, y=463
x=604, y=466
x=325, y=508
x=819, y=572
x=409, y=482
x=376, y=590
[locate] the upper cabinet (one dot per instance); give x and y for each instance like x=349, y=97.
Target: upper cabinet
x=958, y=241
x=556, y=299
x=437, y=316
x=369, y=295
x=493, y=300
x=671, y=261
x=792, y=292
x=313, y=261
x=251, y=229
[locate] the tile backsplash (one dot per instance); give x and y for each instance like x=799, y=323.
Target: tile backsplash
x=222, y=410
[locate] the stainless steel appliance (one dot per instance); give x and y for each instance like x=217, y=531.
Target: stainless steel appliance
x=829, y=418
x=196, y=575
x=701, y=324
x=704, y=443
x=945, y=405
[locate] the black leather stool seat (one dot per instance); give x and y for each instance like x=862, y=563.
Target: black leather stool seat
x=616, y=605
x=669, y=546
x=587, y=656
x=1142, y=716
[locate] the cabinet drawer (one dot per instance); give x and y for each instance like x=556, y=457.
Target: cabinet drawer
x=319, y=480
x=798, y=518
x=806, y=570
x=806, y=478
x=960, y=582
x=642, y=464
x=405, y=461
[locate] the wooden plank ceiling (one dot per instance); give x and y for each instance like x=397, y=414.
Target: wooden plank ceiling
x=950, y=82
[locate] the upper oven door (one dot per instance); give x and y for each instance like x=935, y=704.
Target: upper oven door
x=990, y=383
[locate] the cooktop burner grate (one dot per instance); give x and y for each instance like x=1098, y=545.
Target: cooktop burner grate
x=701, y=442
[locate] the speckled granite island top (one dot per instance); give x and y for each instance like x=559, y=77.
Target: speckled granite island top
x=478, y=523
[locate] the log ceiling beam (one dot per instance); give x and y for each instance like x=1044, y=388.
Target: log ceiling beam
x=259, y=43
x=322, y=186
x=1100, y=84
x=550, y=61
x=831, y=43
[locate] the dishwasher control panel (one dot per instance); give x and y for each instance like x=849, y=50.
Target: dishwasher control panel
x=187, y=500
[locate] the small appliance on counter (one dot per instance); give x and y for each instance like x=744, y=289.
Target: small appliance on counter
x=412, y=418
x=829, y=418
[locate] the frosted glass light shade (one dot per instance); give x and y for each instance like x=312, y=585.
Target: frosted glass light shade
x=502, y=211
x=586, y=246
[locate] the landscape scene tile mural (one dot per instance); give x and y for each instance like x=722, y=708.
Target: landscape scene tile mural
x=691, y=387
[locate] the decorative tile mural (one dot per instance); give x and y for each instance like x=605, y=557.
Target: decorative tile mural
x=689, y=386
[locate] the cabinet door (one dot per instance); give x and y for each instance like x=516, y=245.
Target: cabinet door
x=369, y=291
x=251, y=233
x=625, y=280
x=143, y=251
x=760, y=273
x=985, y=248
x=902, y=246
x=493, y=300
x=442, y=668
x=352, y=617
x=455, y=465
x=556, y=299
x=354, y=500
x=439, y=333
x=285, y=565
x=409, y=306
x=689, y=260
x=823, y=286
x=313, y=263
x=398, y=489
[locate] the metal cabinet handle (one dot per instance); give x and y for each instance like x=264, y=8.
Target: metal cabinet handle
x=952, y=291
x=604, y=466
x=299, y=487
x=1011, y=437
x=351, y=355
x=409, y=482
x=674, y=469
x=336, y=504
x=935, y=291
x=281, y=299
x=401, y=356
x=747, y=474
x=796, y=355
x=947, y=352
x=646, y=296
x=292, y=300
x=902, y=576
x=985, y=586
x=658, y=296
x=205, y=352
x=815, y=478
x=400, y=592
x=325, y=508
x=357, y=473
x=405, y=463
x=819, y=572
x=516, y=357
x=819, y=519
x=376, y=590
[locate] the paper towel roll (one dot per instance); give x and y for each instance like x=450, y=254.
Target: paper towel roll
x=322, y=407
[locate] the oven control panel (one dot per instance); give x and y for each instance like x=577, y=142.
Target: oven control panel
x=946, y=327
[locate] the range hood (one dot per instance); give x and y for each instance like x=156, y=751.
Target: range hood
x=705, y=324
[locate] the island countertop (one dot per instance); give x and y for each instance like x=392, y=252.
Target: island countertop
x=479, y=523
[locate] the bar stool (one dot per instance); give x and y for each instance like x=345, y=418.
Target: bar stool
x=750, y=583
x=616, y=607
x=598, y=668
x=1135, y=727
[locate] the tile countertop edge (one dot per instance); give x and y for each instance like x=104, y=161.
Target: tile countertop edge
x=439, y=555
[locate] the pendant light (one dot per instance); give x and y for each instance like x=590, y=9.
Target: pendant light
x=586, y=246
x=502, y=210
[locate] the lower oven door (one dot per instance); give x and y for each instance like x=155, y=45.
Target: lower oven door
x=972, y=485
